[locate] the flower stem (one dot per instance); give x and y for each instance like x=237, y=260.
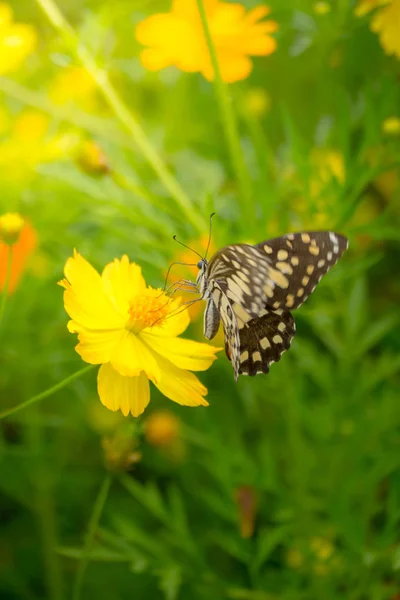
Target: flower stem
x=120, y=109
x=46, y=393
x=3, y=299
x=91, y=532
x=229, y=123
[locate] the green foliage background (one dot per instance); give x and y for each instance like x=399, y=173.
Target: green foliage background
x=317, y=441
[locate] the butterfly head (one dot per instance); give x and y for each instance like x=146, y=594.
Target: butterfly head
x=201, y=280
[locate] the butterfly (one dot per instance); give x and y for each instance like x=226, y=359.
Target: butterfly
x=253, y=289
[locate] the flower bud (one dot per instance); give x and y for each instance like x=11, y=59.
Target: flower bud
x=11, y=225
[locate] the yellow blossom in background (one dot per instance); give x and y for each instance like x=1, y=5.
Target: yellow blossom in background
x=31, y=142
x=162, y=428
x=17, y=41
x=177, y=38
x=391, y=125
x=365, y=6
x=132, y=331
x=256, y=102
x=74, y=85
x=326, y=172
x=322, y=8
x=385, y=22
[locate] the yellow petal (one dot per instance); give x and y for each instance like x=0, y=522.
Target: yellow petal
x=155, y=59
x=6, y=17
x=128, y=394
x=176, y=42
x=122, y=281
x=131, y=356
x=174, y=324
x=260, y=46
x=188, y=9
x=185, y=354
x=84, y=297
x=180, y=386
x=95, y=346
x=256, y=14
x=234, y=67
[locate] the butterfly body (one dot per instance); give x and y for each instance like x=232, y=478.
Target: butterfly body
x=252, y=289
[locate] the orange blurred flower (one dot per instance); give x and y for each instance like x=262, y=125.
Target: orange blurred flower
x=22, y=249
x=177, y=38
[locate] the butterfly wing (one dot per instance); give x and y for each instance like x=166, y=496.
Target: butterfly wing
x=263, y=341
x=253, y=288
x=241, y=272
x=229, y=321
x=298, y=261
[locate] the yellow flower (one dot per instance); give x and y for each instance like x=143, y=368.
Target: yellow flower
x=74, y=85
x=365, y=6
x=385, y=22
x=162, y=428
x=391, y=126
x=132, y=331
x=177, y=38
x=17, y=41
x=256, y=102
x=30, y=143
x=322, y=8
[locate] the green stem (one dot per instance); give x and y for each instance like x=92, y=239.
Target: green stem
x=91, y=532
x=100, y=76
x=3, y=299
x=229, y=122
x=46, y=393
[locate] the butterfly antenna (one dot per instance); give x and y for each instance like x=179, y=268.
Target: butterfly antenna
x=209, y=235
x=170, y=267
x=184, y=245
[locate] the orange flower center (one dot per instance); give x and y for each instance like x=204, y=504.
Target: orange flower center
x=148, y=309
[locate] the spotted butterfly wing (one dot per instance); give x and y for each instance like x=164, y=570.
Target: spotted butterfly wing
x=298, y=263
x=263, y=341
x=252, y=287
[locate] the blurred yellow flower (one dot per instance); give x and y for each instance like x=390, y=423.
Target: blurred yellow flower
x=162, y=428
x=385, y=22
x=132, y=331
x=30, y=143
x=322, y=8
x=74, y=85
x=177, y=38
x=365, y=6
x=22, y=250
x=256, y=102
x=17, y=41
x=391, y=125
